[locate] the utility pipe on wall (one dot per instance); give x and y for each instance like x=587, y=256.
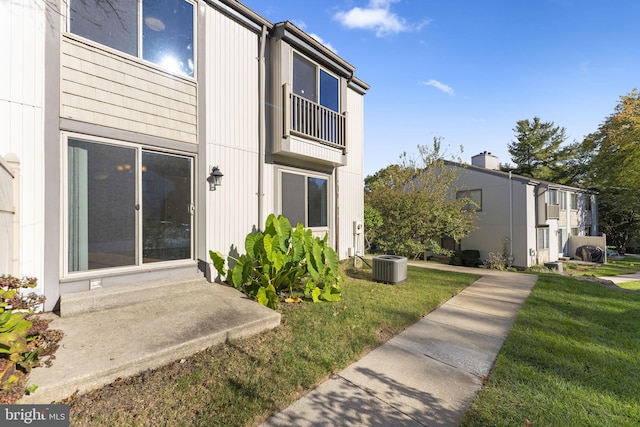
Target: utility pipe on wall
x=262, y=132
x=510, y=218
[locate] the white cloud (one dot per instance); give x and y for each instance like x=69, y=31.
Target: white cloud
x=324, y=43
x=440, y=86
x=375, y=16
x=303, y=26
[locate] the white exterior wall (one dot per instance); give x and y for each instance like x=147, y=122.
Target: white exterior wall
x=231, y=132
x=493, y=220
x=351, y=180
x=530, y=231
x=499, y=224
x=21, y=121
x=6, y=217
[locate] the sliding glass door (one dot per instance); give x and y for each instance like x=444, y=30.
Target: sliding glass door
x=166, y=207
x=126, y=206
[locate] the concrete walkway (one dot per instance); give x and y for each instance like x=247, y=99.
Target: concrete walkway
x=427, y=375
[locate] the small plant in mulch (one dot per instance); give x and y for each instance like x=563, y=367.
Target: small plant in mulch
x=25, y=338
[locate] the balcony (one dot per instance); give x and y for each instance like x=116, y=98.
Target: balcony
x=310, y=132
x=553, y=211
x=308, y=121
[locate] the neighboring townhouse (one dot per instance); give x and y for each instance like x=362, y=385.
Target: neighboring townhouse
x=118, y=118
x=528, y=218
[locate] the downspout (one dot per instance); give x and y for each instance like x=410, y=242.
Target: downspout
x=337, y=198
x=262, y=132
x=510, y=218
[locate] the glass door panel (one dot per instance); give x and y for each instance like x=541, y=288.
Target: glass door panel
x=166, y=207
x=101, y=206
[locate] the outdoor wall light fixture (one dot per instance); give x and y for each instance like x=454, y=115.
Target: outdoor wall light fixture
x=215, y=178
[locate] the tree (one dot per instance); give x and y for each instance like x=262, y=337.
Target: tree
x=614, y=170
x=416, y=201
x=537, y=150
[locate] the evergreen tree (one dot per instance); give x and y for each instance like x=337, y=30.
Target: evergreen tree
x=537, y=150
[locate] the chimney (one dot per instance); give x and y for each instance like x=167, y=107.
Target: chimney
x=486, y=160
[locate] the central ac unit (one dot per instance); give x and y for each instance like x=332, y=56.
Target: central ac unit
x=389, y=269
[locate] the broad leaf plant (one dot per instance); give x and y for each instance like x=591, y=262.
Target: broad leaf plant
x=280, y=260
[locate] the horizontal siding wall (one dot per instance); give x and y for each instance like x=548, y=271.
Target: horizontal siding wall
x=21, y=122
x=232, y=131
x=100, y=87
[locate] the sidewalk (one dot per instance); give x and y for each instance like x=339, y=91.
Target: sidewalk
x=427, y=375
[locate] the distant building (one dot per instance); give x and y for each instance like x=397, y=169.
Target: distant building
x=530, y=219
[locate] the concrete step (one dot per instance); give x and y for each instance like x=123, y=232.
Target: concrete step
x=77, y=303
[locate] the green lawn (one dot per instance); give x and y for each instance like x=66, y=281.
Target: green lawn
x=634, y=286
x=243, y=382
x=571, y=359
x=613, y=267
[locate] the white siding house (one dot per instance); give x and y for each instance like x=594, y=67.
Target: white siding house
x=527, y=218
x=114, y=123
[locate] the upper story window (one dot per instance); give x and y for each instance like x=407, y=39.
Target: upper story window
x=563, y=199
x=574, y=201
x=475, y=199
x=552, y=198
x=315, y=84
x=587, y=202
x=158, y=31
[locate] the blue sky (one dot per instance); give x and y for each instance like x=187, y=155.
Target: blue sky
x=468, y=70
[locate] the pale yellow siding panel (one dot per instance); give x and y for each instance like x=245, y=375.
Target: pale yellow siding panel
x=100, y=87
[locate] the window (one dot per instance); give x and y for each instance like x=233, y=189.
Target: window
x=543, y=238
x=574, y=201
x=126, y=206
x=574, y=231
x=563, y=200
x=161, y=32
x=587, y=202
x=552, y=196
x=309, y=81
x=304, y=199
x=475, y=199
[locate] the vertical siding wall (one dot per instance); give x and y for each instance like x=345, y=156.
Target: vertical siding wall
x=21, y=119
x=351, y=179
x=232, y=131
x=493, y=219
x=6, y=218
x=103, y=88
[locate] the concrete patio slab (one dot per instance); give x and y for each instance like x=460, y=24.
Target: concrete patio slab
x=99, y=347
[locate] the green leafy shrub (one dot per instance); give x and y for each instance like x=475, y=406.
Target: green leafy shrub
x=16, y=330
x=470, y=257
x=283, y=259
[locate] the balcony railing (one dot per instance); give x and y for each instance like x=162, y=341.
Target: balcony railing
x=553, y=211
x=311, y=120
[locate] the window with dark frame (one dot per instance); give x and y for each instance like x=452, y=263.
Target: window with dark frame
x=309, y=80
x=475, y=197
x=305, y=199
x=164, y=29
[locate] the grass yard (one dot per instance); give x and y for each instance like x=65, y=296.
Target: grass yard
x=571, y=359
x=614, y=267
x=633, y=286
x=243, y=382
